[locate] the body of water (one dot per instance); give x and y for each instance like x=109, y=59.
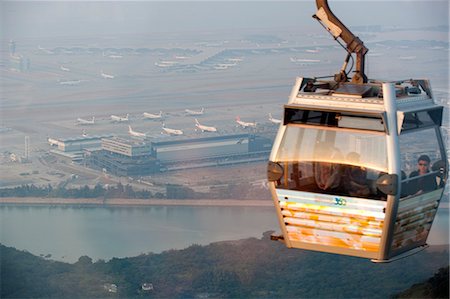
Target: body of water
x=103, y=233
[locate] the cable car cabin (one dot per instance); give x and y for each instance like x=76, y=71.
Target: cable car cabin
x=358, y=169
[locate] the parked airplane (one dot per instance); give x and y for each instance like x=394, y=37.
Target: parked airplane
x=193, y=112
x=106, y=76
x=312, y=51
x=63, y=68
x=70, y=82
x=171, y=131
x=116, y=118
x=244, y=124
x=112, y=55
x=204, y=128
x=135, y=134
x=407, y=57
x=166, y=63
x=45, y=50
x=301, y=60
x=274, y=120
x=226, y=65
x=220, y=67
x=152, y=116
x=235, y=59
x=82, y=121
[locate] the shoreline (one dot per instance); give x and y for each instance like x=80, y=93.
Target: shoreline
x=124, y=202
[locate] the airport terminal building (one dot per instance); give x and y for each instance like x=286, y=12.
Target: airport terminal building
x=200, y=148
x=125, y=157
x=211, y=151
x=73, y=148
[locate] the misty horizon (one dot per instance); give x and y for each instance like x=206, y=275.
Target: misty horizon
x=35, y=19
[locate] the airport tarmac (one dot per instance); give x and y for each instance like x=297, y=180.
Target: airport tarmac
x=64, y=83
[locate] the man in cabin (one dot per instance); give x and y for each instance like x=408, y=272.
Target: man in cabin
x=425, y=184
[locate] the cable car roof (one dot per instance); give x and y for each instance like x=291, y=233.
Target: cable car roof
x=411, y=96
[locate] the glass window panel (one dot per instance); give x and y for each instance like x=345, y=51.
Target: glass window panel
x=419, y=152
x=332, y=161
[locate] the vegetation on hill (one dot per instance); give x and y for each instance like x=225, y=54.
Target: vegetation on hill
x=98, y=191
x=245, y=268
x=173, y=191
x=435, y=287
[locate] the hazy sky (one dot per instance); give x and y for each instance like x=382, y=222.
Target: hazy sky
x=21, y=19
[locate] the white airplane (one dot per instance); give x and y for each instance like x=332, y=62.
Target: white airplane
x=407, y=57
x=244, y=124
x=204, y=128
x=220, y=67
x=193, y=112
x=106, y=76
x=171, y=131
x=135, y=134
x=63, y=68
x=168, y=62
x=82, y=121
x=274, y=120
x=70, y=82
x=45, y=50
x=312, y=51
x=235, y=59
x=165, y=63
x=116, y=118
x=226, y=64
x=115, y=56
x=300, y=60
x=152, y=116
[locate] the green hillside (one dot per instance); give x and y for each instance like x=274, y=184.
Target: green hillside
x=245, y=268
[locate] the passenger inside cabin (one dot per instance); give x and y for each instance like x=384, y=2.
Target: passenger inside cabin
x=425, y=184
x=355, y=181
x=328, y=175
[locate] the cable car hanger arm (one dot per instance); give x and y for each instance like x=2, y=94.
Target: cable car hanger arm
x=353, y=44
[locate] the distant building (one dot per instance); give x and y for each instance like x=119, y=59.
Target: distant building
x=122, y=165
x=73, y=148
x=110, y=287
x=147, y=286
x=123, y=157
x=78, y=143
x=211, y=151
x=200, y=148
x=12, y=48
x=126, y=147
